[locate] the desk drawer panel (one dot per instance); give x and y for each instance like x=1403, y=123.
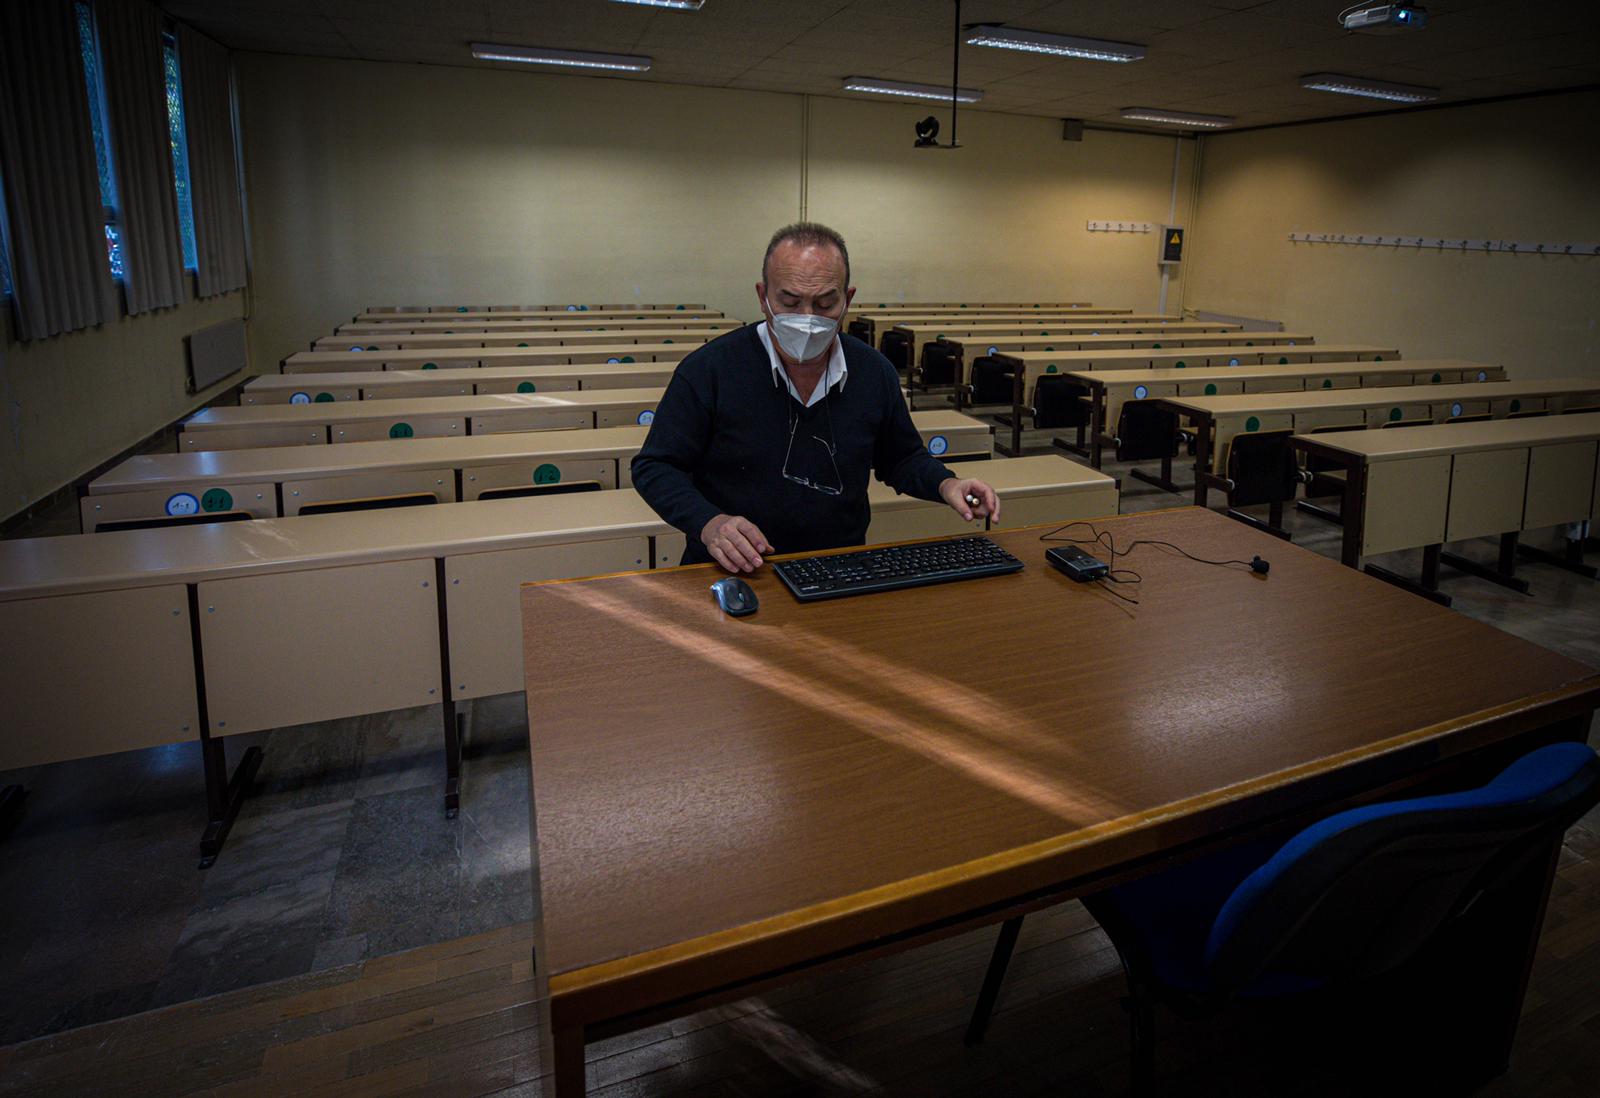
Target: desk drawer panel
x=445, y=360
x=1065, y=506
x=358, y=363
x=446, y=386
x=512, y=385
x=1306, y=422
x=485, y=612
x=536, y=471
x=1437, y=377
x=1211, y=388
x=312, y=393
x=439, y=483
x=1380, y=414
x=534, y=419
x=525, y=339
x=1509, y=406
x=1486, y=493
x=1245, y=358
x=1335, y=381
x=382, y=430
x=1275, y=385
x=294, y=647
x=669, y=549
x=1560, y=484
x=1118, y=395
x=956, y=443
x=919, y=519
x=1443, y=413
x=641, y=415
x=1406, y=504
x=260, y=500
x=102, y=672
x=584, y=357
x=248, y=438
x=648, y=375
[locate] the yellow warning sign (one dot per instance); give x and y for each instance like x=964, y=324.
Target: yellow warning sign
x=1175, y=239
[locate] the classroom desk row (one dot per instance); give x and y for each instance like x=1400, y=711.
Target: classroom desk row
x=1109, y=390
x=917, y=332
x=286, y=480
x=1424, y=486
x=149, y=637
x=465, y=342
x=389, y=384
x=469, y=316
x=446, y=326
x=1025, y=367
x=564, y=308
x=870, y=323
x=422, y=358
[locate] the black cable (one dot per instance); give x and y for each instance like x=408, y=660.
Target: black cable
x=1104, y=539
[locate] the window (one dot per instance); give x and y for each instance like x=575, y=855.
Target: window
x=94, y=77
x=180, y=149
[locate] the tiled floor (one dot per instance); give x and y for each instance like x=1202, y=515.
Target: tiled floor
x=342, y=851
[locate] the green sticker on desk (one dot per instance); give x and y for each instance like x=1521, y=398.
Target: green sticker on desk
x=372, y=348
x=1516, y=405
x=401, y=430
x=1050, y=369
x=627, y=358
x=680, y=308
x=1049, y=348
x=1180, y=364
x=522, y=345
x=1283, y=360
x=430, y=365
x=1252, y=424
x=322, y=398
x=1155, y=346
x=1327, y=383
x=1044, y=333
x=1394, y=415
x=1437, y=378
x=216, y=499
x=1377, y=358
x=1211, y=389
x=547, y=474
x=666, y=341
x=525, y=387
x=461, y=308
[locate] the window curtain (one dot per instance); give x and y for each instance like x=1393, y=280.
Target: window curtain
x=136, y=97
x=213, y=170
x=59, y=268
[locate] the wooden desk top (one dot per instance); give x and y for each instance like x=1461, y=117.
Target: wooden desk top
x=536, y=314
x=81, y=563
x=332, y=361
x=979, y=306
x=1462, y=438
x=1139, y=354
x=275, y=463
x=764, y=791
x=1373, y=396
x=1012, y=478
x=349, y=411
x=333, y=344
x=941, y=326
x=1263, y=339
x=1250, y=372
x=598, y=324
x=372, y=379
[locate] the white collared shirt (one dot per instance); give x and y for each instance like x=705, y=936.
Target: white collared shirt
x=836, y=371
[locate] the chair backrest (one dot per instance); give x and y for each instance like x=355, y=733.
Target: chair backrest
x=1262, y=467
x=1364, y=890
x=938, y=363
x=991, y=384
x=860, y=329
x=1316, y=464
x=1145, y=432
x=896, y=347
x=1056, y=403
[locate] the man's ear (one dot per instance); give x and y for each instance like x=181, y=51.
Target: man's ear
x=849, y=296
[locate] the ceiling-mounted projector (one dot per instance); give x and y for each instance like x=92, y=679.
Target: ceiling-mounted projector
x=1383, y=17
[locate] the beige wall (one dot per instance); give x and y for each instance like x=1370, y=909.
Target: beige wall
x=74, y=400
x=1519, y=170
x=390, y=184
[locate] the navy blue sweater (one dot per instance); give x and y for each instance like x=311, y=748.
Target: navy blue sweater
x=717, y=446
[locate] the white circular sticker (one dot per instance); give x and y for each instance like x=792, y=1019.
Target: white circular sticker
x=183, y=504
x=1455, y=409
x=937, y=445
x=358, y=348
x=992, y=350
x=300, y=398
x=1094, y=333
x=647, y=417
x=1291, y=343
x=1233, y=362
x=572, y=308
x=1140, y=392
x=1483, y=375
x=613, y=360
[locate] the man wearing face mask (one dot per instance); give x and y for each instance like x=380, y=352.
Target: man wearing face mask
x=765, y=438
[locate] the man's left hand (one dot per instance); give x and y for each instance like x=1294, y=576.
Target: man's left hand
x=970, y=498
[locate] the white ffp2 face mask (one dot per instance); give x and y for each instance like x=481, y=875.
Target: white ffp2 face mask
x=803, y=336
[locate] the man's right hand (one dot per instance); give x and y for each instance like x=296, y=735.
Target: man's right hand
x=735, y=542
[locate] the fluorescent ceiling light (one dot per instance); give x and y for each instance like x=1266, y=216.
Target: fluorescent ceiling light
x=578, y=59
x=1059, y=45
x=1371, y=89
x=676, y=5
x=1176, y=118
x=909, y=91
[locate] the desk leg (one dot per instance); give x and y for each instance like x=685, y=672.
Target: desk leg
x=1017, y=381
x=224, y=794
x=1097, y=423
x=566, y=1053
x=454, y=722
x=1427, y=586
x=1570, y=560
x=1202, y=457
x=11, y=800
x=1504, y=571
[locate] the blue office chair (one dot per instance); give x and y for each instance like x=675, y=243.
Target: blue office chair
x=1346, y=900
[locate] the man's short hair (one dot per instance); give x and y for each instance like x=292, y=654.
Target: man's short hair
x=807, y=234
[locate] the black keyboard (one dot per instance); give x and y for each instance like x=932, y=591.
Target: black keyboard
x=894, y=566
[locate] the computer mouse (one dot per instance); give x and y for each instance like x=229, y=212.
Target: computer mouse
x=735, y=596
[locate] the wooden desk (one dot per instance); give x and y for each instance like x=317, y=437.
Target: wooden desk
x=1424, y=486
x=394, y=384
x=803, y=788
x=281, y=480
x=1219, y=419
x=327, y=362
x=469, y=316
x=1026, y=366
x=465, y=342
x=561, y=308
x=919, y=332
x=414, y=326
x=877, y=319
